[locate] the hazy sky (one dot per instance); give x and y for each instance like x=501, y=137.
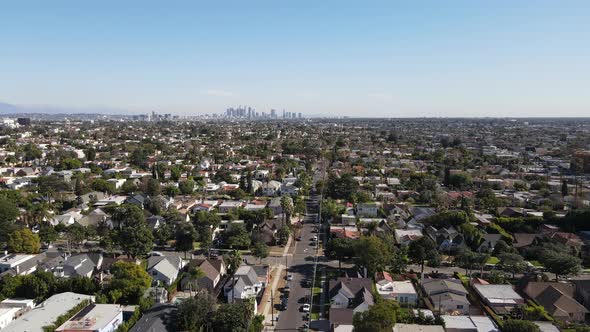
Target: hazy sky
x=364, y=58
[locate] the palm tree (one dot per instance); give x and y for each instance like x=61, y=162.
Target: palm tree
x=194, y=274
x=287, y=206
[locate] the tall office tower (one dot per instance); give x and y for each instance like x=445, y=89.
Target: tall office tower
x=283, y=114
x=273, y=113
x=300, y=115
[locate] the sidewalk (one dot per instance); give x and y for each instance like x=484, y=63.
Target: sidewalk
x=276, y=277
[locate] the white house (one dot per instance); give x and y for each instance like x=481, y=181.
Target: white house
x=165, y=268
x=370, y=210
x=401, y=291
x=95, y=318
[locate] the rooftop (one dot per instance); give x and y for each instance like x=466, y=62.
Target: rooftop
x=46, y=313
x=94, y=317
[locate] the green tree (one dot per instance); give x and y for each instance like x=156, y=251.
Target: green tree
x=70, y=163
x=128, y=187
x=153, y=187
x=343, y=187
x=47, y=233
x=90, y=154
x=131, y=280
x=194, y=312
x=372, y=253
x=185, y=237
x=194, y=275
x=513, y=325
x=175, y=173
x=421, y=250
x=283, y=234
x=234, y=317
x=260, y=250
x=512, y=262
x=340, y=249
x=104, y=186
x=287, y=206
x=561, y=264
x=24, y=241
x=460, y=181
x=380, y=317
x=233, y=261
x=8, y=214
x=75, y=234
x=171, y=190
x=134, y=237
x=236, y=236
x=187, y=187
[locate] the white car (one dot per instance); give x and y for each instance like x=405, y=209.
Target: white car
x=314, y=238
x=289, y=277
x=306, y=307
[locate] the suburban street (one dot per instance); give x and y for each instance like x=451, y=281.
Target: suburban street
x=300, y=267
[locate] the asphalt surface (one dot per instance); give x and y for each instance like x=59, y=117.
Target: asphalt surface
x=301, y=266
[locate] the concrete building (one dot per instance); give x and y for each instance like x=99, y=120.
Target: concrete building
x=94, y=318
x=47, y=312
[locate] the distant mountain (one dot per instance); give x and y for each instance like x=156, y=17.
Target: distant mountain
x=6, y=108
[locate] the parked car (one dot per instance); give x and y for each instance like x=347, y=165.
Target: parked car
x=289, y=277
x=306, y=307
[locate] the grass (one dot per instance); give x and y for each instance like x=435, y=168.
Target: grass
x=536, y=263
x=493, y=260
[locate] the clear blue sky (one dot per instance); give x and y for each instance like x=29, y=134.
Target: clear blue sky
x=365, y=58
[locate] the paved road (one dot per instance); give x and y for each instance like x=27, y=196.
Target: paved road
x=301, y=268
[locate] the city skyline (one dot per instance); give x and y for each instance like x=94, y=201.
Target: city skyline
x=380, y=59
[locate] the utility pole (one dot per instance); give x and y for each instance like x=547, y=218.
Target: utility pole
x=272, y=307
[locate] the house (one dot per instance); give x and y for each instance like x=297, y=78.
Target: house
x=469, y=324
x=14, y=262
x=522, y=240
x=227, y=206
x=401, y=291
x=11, y=309
x=245, y=284
x=399, y=327
x=165, y=269
x=489, y=242
x=406, y=236
x=140, y=200
x=370, y=210
x=94, y=318
x=447, y=295
x=341, y=232
x=558, y=300
x=82, y=265
x=341, y=320
x=351, y=293
x=446, y=238
x=275, y=205
x=270, y=188
x=501, y=298
x=47, y=312
x=154, y=222
x=94, y=218
x=289, y=189
x=160, y=317
x=213, y=270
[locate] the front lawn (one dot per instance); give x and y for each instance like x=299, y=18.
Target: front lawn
x=493, y=260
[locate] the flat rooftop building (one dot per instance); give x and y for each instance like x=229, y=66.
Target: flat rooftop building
x=47, y=312
x=94, y=318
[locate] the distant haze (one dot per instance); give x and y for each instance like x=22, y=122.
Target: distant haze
x=334, y=58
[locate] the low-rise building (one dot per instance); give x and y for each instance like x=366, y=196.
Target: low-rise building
x=94, y=318
x=47, y=312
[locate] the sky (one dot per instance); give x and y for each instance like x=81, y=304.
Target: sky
x=335, y=58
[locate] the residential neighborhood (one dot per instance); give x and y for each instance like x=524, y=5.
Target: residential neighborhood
x=323, y=225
